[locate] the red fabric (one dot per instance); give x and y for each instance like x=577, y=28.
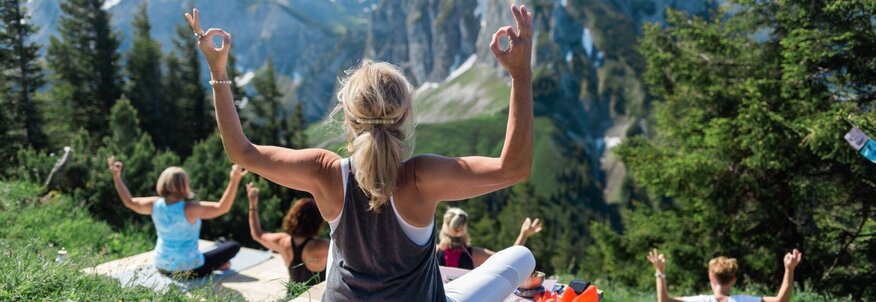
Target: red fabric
x=451, y=257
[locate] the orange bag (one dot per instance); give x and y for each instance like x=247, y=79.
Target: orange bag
x=589, y=295
x=569, y=295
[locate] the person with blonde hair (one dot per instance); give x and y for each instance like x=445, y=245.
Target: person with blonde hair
x=722, y=278
x=379, y=205
x=177, y=219
x=454, y=246
x=304, y=254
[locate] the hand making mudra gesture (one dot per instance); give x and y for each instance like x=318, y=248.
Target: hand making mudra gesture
x=216, y=57
x=517, y=58
x=382, y=176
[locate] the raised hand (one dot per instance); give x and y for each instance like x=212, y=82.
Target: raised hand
x=517, y=59
x=114, y=166
x=530, y=227
x=657, y=260
x=216, y=57
x=792, y=259
x=237, y=172
x=252, y=192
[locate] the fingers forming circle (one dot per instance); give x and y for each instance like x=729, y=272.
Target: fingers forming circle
x=504, y=31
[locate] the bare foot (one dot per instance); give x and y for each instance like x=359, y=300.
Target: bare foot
x=225, y=266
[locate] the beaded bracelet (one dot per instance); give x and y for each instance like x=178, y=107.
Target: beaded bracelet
x=212, y=82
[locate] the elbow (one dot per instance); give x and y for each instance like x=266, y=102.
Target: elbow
x=224, y=211
x=237, y=156
x=241, y=155
x=516, y=169
x=520, y=173
x=524, y=173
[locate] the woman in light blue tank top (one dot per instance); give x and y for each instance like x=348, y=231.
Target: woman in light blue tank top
x=177, y=221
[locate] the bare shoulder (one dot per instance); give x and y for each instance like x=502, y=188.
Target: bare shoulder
x=328, y=170
x=286, y=240
x=425, y=164
x=326, y=158
x=482, y=251
x=427, y=160
x=318, y=245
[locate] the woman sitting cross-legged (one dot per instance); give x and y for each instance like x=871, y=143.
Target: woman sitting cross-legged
x=304, y=254
x=177, y=220
x=722, y=277
x=381, y=205
x=454, y=247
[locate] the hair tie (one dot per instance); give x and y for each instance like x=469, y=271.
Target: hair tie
x=375, y=121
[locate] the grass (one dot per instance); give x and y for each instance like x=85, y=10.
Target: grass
x=34, y=229
x=475, y=93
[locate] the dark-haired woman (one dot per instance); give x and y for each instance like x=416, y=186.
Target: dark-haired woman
x=304, y=254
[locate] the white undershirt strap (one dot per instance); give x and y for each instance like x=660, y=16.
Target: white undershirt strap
x=420, y=236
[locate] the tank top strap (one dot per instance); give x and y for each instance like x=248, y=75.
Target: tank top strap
x=298, y=250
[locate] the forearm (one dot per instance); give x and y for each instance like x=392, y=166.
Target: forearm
x=233, y=139
x=521, y=239
x=255, y=227
x=787, y=286
x=662, y=291
x=123, y=192
x=228, y=196
x=517, y=151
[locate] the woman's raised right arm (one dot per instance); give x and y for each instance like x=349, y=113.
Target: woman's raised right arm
x=297, y=169
x=272, y=241
x=140, y=205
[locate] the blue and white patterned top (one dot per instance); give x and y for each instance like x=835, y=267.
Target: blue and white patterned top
x=177, y=246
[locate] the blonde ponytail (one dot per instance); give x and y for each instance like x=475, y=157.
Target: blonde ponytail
x=455, y=222
x=376, y=101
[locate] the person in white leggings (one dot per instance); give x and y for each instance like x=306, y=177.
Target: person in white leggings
x=495, y=279
x=372, y=259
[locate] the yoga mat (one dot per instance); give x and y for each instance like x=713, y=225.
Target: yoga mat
x=148, y=276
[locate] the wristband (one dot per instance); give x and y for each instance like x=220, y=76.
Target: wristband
x=660, y=275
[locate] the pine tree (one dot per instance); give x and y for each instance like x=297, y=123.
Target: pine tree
x=126, y=141
x=144, y=87
x=269, y=114
x=22, y=76
x=297, y=125
x=241, y=97
x=174, y=132
x=234, y=75
x=85, y=61
x=748, y=158
x=193, y=110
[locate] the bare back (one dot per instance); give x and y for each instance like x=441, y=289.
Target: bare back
x=314, y=255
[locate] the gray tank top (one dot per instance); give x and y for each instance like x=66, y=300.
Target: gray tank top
x=374, y=260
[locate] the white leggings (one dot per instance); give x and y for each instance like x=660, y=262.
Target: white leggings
x=495, y=279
